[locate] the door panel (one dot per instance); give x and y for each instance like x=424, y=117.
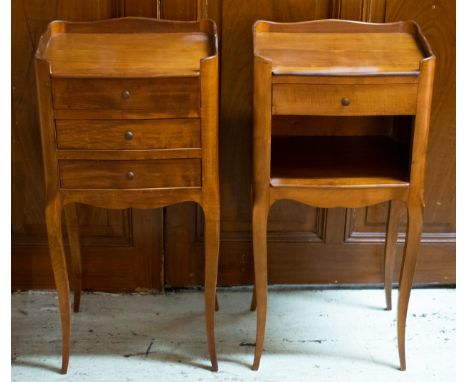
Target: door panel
x=437, y=21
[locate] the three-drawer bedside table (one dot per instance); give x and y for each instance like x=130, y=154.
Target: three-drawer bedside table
x=129, y=118
x=380, y=74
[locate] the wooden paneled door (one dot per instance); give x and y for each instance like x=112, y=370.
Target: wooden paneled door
x=131, y=249
x=309, y=245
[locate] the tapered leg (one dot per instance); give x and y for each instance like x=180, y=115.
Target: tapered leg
x=253, y=303
x=413, y=235
x=394, y=213
x=211, y=275
x=216, y=303
x=73, y=233
x=59, y=267
x=259, y=227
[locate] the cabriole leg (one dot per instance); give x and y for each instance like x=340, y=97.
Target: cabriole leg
x=212, y=227
x=413, y=236
x=59, y=267
x=259, y=227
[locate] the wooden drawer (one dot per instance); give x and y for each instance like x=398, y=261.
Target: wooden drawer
x=167, y=97
x=121, y=174
x=344, y=99
x=128, y=134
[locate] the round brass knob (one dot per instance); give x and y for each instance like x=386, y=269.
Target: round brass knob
x=345, y=101
x=128, y=135
x=130, y=175
x=125, y=94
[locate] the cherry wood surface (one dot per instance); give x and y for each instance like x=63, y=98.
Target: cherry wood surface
x=132, y=182
x=166, y=173
x=334, y=171
x=171, y=97
x=330, y=53
x=344, y=99
x=123, y=249
x=128, y=134
x=147, y=54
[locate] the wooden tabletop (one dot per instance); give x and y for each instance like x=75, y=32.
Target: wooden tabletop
x=126, y=54
x=339, y=53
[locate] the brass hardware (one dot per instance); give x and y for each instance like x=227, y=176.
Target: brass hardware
x=125, y=94
x=345, y=101
x=128, y=135
x=130, y=175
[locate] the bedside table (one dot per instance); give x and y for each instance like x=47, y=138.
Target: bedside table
x=333, y=68
x=129, y=118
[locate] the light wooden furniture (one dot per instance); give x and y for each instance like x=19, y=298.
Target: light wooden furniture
x=348, y=69
x=129, y=118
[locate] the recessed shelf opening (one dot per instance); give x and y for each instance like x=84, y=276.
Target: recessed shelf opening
x=340, y=151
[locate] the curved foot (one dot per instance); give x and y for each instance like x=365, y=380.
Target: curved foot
x=253, y=303
x=256, y=363
x=64, y=368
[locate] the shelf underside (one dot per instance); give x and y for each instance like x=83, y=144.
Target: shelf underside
x=338, y=161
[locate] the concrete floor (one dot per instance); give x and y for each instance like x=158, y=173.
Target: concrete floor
x=321, y=335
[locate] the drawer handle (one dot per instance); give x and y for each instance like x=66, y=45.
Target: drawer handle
x=345, y=101
x=128, y=135
x=130, y=175
x=126, y=94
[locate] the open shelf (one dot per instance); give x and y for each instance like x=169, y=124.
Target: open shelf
x=338, y=161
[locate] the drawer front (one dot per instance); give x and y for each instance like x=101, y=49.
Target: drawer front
x=89, y=174
x=169, y=97
x=365, y=99
x=128, y=134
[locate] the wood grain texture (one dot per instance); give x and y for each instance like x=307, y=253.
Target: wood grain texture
x=92, y=174
x=304, y=99
x=332, y=52
x=168, y=97
x=181, y=9
x=128, y=134
x=125, y=54
x=360, y=10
